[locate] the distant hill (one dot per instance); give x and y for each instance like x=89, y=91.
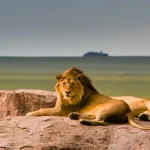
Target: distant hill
x=95, y=54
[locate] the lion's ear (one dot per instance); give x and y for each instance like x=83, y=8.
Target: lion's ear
x=58, y=76
x=79, y=77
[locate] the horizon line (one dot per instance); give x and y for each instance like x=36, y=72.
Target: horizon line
x=78, y=56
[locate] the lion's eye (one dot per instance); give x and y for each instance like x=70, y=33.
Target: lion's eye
x=72, y=84
x=64, y=83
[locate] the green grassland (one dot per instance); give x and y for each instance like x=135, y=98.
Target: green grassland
x=108, y=84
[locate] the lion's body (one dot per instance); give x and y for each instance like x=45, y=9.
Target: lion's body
x=140, y=107
x=78, y=99
x=102, y=108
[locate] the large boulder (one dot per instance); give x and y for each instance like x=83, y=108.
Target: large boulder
x=19, y=132
x=61, y=133
x=19, y=102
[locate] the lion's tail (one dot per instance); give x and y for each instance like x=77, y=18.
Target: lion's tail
x=131, y=122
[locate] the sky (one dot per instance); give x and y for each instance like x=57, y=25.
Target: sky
x=74, y=27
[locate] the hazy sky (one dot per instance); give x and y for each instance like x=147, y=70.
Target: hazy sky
x=73, y=27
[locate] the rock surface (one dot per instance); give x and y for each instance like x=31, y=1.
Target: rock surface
x=61, y=133
x=19, y=102
x=19, y=132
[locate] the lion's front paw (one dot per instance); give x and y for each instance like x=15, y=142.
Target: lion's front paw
x=30, y=114
x=74, y=115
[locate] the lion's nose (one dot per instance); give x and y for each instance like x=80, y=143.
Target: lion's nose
x=67, y=92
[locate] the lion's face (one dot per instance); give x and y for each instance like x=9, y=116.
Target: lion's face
x=70, y=87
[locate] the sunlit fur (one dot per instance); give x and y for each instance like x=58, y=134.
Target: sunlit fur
x=140, y=107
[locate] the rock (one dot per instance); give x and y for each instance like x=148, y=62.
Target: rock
x=19, y=132
x=61, y=133
x=19, y=102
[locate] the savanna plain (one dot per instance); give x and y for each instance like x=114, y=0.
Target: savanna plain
x=112, y=76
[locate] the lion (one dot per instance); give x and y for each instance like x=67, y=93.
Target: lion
x=78, y=99
x=140, y=107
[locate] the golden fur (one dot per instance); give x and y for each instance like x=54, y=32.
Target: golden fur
x=140, y=107
x=78, y=99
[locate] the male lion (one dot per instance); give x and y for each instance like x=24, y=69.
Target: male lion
x=78, y=99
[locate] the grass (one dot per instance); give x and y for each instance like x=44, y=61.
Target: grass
x=111, y=85
x=119, y=85
x=27, y=81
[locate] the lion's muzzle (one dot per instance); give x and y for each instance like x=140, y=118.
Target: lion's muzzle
x=67, y=92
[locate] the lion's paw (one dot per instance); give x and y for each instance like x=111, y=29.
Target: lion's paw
x=30, y=114
x=143, y=117
x=73, y=116
x=84, y=122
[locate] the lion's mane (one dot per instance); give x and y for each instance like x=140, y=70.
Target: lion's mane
x=85, y=80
